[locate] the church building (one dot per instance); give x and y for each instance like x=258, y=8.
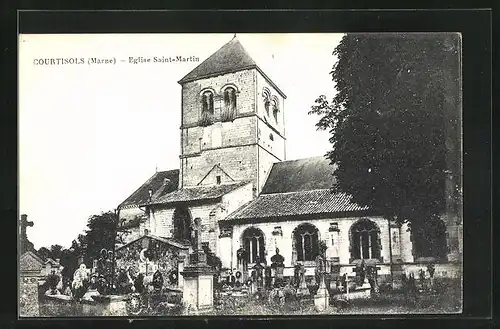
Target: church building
x=251, y=200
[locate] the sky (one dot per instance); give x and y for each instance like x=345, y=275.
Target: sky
x=91, y=134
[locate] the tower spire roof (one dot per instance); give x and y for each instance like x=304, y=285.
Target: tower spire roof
x=231, y=57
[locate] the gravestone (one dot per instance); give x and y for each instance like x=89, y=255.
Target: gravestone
x=421, y=279
x=26, y=245
x=267, y=277
x=258, y=269
x=431, y=269
x=372, y=275
x=277, y=264
x=30, y=269
x=124, y=282
x=157, y=281
x=241, y=255
x=302, y=290
x=361, y=279
x=322, y=297
x=53, y=281
x=411, y=289
x=198, y=279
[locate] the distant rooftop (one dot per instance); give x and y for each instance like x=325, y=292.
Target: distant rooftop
x=161, y=183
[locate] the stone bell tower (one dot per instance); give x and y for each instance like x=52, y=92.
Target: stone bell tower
x=232, y=126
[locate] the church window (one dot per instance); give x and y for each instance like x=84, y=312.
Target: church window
x=207, y=108
x=218, y=179
x=229, y=110
x=266, y=95
x=306, y=242
x=253, y=243
x=365, y=240
x=275, y=105
x=182, y=225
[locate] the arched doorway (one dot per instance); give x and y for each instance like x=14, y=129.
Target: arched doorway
x=305, y=242
x=253, y=242
x=182, y=225
x=365, y=240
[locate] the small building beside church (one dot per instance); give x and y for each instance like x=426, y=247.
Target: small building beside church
x=234, y=176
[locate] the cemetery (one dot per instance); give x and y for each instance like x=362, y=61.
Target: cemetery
x=153, y=276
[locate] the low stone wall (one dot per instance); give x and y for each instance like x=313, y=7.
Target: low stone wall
x=442, y=270
x=62, y=306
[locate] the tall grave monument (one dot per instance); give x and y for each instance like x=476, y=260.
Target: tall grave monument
x=198, y=278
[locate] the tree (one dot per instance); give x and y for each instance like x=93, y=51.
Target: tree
x=44, y=253
x=101, y=234
x=56, y=251
x=394, y=124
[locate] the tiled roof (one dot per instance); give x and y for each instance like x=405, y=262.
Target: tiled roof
x=295, y=204
x=160, y=183
x=198, y=193
x=231, y=57
x=298, y=187
x=300, y=175
x=154, y=237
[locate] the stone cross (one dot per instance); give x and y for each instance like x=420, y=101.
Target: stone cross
x=196, y=231
x=24, y=224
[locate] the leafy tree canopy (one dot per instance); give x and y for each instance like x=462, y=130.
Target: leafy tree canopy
x=393, y=121
x=101, y=233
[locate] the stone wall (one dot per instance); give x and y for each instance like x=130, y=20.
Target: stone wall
x=239, y=162
x=161, y=222
x=243, y=81
x=340, y=247
x=231, y=145
x=262, y=83
x=28, y=296
x=210, y=213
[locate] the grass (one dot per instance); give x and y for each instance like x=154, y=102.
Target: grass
x=446, y=299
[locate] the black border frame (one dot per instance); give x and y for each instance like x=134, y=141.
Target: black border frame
x=475, y=26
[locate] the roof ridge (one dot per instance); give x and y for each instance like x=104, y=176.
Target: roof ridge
x=150, y=179
x=146, y=183
x=215, y=185
x=304, y=191
x=306, y=158
x=193, y=74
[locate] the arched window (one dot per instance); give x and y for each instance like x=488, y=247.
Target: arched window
x=306, y=242
x=365, y=240
x=182, y=225
x=266, y=96
x=207, y=108
x=430, y=240
x=229, y=110
x=275, y=105
x=253, y=243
